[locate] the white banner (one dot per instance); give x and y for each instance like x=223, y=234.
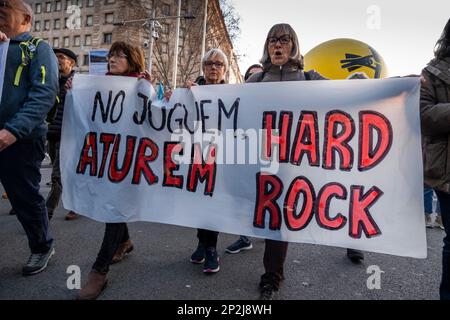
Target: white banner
x=324, y=162
x=3, y=54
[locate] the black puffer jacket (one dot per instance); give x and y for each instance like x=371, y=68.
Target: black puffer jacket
x=55, y=116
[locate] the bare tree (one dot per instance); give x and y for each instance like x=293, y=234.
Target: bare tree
x=222, y=26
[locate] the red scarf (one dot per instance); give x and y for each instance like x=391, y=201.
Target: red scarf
x=132, y=74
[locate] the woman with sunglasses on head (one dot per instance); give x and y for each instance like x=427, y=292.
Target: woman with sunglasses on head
x=123, y=60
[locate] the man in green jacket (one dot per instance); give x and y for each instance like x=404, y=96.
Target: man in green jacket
x=29, y=91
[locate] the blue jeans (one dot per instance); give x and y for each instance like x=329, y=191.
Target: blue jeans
x=444, y=291
x=20, y=174
x=428, y=201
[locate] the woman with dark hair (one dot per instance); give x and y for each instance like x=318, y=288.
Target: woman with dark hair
x=123, y=60
x=281, y=61
x=435, y=120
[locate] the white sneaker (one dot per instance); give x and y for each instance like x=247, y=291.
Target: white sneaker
x=428, y=222
x=438, y=222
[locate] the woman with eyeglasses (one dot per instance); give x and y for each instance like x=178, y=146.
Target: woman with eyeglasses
x=214, y=66
x=282, y=61
x=123, y=60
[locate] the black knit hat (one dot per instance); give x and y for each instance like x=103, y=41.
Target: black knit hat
x=66, y=52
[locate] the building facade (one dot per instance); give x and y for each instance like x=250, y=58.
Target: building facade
x=84, y=25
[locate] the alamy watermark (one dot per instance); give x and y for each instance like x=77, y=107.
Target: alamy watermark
x=373, y=21
x=374, y=280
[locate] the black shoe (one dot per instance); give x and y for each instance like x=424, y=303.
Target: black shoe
x=238, y=246
x=199, y=254
x=12, y=212
x=211, y=261
x=268, y=292
x=37, y=262
x=355, y=256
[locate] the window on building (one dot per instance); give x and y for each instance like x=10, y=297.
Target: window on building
x=68, y=4
x=165, y=28
x=65, y=23
x=37, y=26
x=46, y=25
x=57, y=24
x=76, y=41
x=166, y=9
x=90, y=3
x=55, y=42
x=48, y=7
x=164, y=47
x=182, y=33
x=79, y=3
x=88, y=40
x=66, y=42
x=109, y=18
x=58, y=6
x=89, y=21
x=86, y=60
x=107, y=38
x=110, y=1
x=38, y=8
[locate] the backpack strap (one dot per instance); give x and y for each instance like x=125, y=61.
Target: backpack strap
x=28, y=49
x=440, y=69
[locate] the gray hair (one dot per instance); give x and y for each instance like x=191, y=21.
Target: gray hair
x=295, y=56
x=215, y=52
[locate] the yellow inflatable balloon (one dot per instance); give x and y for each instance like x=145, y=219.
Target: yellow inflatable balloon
x=340, y=58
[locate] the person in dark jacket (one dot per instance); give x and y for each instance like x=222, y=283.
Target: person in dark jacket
x=66, y=62
x=282, y=61
x=123, y=60
x=214, y=66
x=29, y=91
x=435, y=120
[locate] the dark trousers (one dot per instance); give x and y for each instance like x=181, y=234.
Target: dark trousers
x=20, y=174
x=444, y=290
x=274, y=257
x=207, y=237
x=115, y=234
x=55, y=192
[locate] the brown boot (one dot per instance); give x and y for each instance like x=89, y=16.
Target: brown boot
x=71, y=216
x=124, y=248
x=95, y=284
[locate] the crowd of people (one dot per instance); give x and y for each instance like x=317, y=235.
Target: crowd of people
x=37, y=78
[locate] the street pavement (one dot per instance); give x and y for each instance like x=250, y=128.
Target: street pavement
x=159, y=267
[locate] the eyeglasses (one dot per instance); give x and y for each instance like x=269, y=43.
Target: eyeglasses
x=218, y=64
x=284, y=39
x=117, y=55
